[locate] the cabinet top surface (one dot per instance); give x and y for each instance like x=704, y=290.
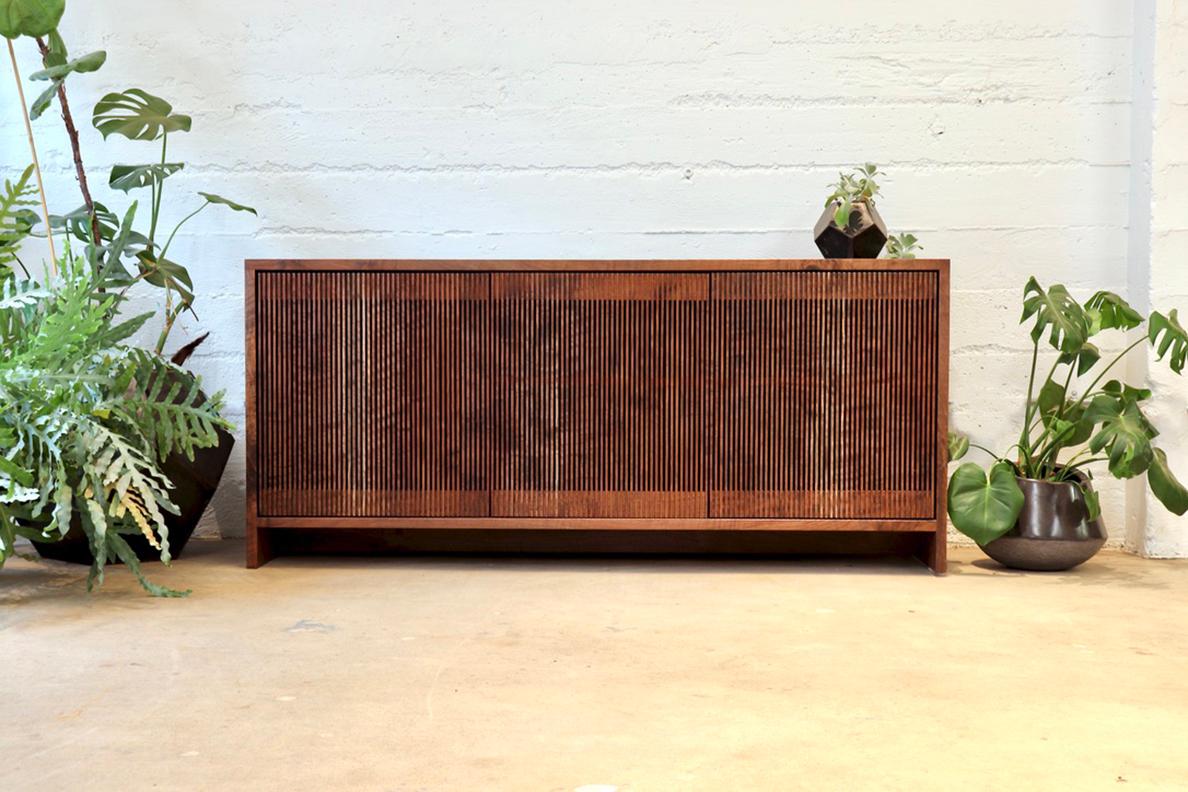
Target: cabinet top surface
x=601, y=265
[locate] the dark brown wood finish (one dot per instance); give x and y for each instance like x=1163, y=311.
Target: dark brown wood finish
x=608, y=396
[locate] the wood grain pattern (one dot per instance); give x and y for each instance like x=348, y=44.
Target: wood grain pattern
x=598, y=406
x=824, y=394
x=748, y=396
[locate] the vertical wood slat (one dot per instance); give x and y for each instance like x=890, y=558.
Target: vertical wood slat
x=374, y=383
x=841, y=429
x=598, y=401
x=383, y=387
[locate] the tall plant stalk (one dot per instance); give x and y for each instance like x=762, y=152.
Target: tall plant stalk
x=72, y=133
x=52, y=269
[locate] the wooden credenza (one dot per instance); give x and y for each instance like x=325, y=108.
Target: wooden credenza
x=611, y=396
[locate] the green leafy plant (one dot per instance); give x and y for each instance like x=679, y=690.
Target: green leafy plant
x=858, y=186
x=902, y=246
x=1067, y=428
x=88, y=420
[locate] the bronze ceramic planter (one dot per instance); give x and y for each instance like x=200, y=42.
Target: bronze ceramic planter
x=1053, y=532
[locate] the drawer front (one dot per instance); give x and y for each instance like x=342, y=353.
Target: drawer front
x=598, y=401
x=370, y=389
x=824, y=395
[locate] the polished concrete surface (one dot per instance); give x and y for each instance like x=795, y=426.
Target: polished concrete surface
x=596, y=674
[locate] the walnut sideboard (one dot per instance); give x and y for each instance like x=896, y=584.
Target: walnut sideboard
x=620, y=397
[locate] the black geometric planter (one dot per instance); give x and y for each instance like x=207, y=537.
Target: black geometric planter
x=864, y=237
x=194, y=483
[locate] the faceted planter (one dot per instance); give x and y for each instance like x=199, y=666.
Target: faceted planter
x=1053, y=532
x=864, y=237
x=194, y=483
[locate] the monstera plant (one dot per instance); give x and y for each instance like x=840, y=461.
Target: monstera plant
x=1077, y=417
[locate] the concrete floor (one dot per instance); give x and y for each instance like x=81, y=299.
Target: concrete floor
x=596, y=674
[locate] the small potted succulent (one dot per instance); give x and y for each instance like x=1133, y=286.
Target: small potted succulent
x=1035, y=508
x=850, y=226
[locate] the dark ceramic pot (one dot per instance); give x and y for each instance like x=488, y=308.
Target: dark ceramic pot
x=194, y=483
x=864, y=237
x=1053, y=532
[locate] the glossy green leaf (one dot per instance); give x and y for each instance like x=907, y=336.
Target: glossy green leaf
x=218, y=199
x=957, y=445
x=1125, y=434
x=984, y=507
x=137, y=115
x=1167, y=335
x=132, y=177
x=1092, y=502
x=15, y=472
x=44, y=100
x=168, y=275
x=1085, y=358
x=841, y=215
x=1123, y=391
x=1165, y=486
x=78, y=222
x=1056, y=313
x=29, y=17
x=90, y=62
x=1108, y=311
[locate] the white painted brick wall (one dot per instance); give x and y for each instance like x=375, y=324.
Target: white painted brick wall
x=627, y=129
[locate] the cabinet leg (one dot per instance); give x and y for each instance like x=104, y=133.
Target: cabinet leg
x=933, y=552
x=259, y=547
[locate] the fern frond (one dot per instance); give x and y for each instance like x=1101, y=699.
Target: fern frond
x=17, y=294
x=17, y=217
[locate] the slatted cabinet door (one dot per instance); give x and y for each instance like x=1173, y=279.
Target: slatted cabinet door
x=371, y=390
x=598, y=401
x=824, y=395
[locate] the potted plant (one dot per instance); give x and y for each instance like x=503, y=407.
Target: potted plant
x=88, y=420
x=850, y=226
x=1035, y=508
x=120, y=255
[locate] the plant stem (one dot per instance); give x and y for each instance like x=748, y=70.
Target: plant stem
x=1113, y=363
x=1025, y=438
x=71, y=132
x=49, y=236
x=983, y=448
x=169, y=241
x=158, y=191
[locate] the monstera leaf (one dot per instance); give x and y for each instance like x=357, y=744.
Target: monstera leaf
x=168, y=275
x=1056, y=312
x=1108, y=311
x=1125, y=434
x=78, y=222
x=1163, y=483
x=29, y=17
x=1166, y=334
x=131, y=177
x=218, y=199
x=984, y=507
x=1085, y=358
x=137, y=115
